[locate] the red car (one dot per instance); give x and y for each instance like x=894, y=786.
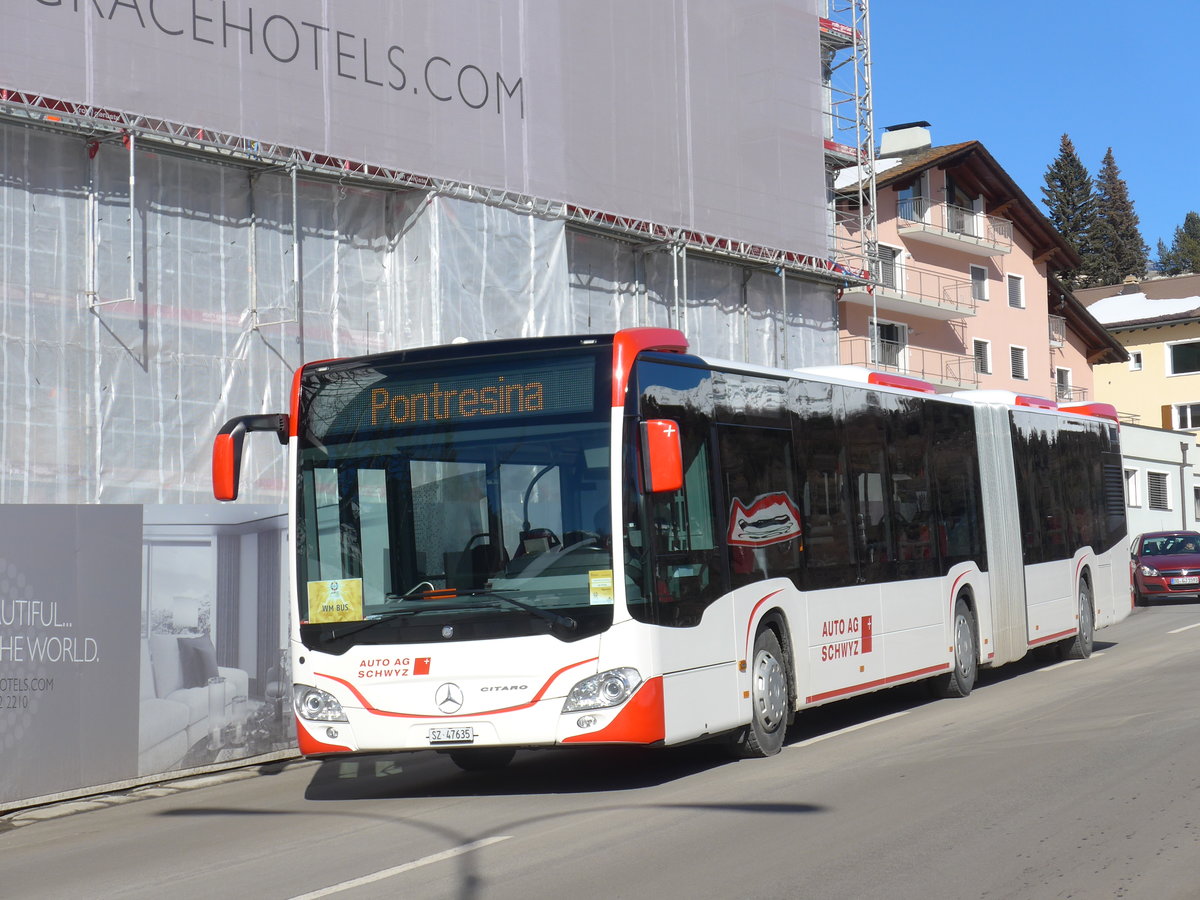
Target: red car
x=1165, y=564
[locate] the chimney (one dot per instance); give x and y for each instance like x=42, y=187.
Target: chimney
x=901, y=140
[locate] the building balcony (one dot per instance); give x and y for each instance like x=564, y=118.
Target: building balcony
x=919, y=292
x=1065, y=393
x=954, y=371
x=956, y=227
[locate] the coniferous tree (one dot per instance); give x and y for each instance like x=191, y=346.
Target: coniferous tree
x=1184, y=252
x=1070, y=199
x=1119, y=249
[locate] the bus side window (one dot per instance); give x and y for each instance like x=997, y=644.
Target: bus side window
x=763, y=527
x=824, y=493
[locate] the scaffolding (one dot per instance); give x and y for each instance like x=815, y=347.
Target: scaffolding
x=105, y=124
x=849, y=132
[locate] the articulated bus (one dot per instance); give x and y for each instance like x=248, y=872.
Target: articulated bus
x=572, y=541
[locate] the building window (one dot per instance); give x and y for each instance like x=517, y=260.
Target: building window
x=1196, y=503
x=889, y=340
x=1132, y=496
x=889, y=267
x=1183, y=358
x=1016, y=291
x=1135, y=360
x=1016, y=356
x=979, y=282
x=1062, y=383
x=1187, y=416
x=1156, y=487
x=983, y=357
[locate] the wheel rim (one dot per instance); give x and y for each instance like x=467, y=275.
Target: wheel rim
x=964, y=646
x=770, y=691
x=1086, y=616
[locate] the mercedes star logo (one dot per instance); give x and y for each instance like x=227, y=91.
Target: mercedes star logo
x=449, y=698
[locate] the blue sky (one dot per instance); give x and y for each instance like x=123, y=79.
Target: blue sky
x=1017, y=75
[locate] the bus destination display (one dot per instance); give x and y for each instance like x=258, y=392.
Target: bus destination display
x=481, y=393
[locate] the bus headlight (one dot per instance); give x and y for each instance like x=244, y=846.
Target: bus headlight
x=611, y=688
x=316, y=705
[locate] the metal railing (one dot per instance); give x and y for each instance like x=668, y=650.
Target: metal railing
x=936, y=366
x=924, y=285
x=1065, y=393
x=954, y=220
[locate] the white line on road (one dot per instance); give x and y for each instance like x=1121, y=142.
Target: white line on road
x=1070, y=662
x=1185, y=628
x=406, y=867
x=841, y=731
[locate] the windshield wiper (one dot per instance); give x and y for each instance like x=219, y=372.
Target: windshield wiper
x=549, y=615
x=378, y=618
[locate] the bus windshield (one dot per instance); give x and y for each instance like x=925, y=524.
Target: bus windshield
x=429, y=500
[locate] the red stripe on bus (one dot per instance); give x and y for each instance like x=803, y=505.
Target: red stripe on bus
x=1054, y=637
x=375, y=711
x=642, y=721
x=881, y=682
x=753, y=613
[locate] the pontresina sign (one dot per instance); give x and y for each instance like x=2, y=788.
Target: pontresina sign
x=703, y=116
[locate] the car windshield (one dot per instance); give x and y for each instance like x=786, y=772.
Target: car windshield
x=465, y=522
x=1171, y=545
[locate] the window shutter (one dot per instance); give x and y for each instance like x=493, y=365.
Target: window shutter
x=1014, y=292
x=1017, y=358
x=1156, y=485
x=981, y=358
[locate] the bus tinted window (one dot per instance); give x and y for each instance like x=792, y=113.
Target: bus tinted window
x=824, y=492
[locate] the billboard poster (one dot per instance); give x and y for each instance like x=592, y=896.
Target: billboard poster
x=703, y=115
x=70, y=586
x=138, y=640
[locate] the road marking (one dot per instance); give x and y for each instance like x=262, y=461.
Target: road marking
x=406, y=867
x=1185, y=628
x=861, y=725
x=1070, y=662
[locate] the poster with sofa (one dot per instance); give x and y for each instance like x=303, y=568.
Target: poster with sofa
x=137, y=641
x=214, y=685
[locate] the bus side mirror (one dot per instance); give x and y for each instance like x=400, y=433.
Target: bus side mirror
x=663, y=455
x=227, y=449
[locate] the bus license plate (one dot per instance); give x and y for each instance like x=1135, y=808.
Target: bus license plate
x=460, y=735
x=1189, y=579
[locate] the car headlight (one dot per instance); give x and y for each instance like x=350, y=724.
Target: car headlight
x=611, y=688
x=316, y=705
x=1147, y=570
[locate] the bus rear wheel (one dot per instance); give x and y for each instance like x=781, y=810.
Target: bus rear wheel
x=960, y=680
x=768, y=698
x=1080, y=647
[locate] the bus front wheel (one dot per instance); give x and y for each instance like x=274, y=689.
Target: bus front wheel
x=768, y=698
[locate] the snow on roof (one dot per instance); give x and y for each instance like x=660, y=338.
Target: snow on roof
x=1140, y=308
x=849, y=177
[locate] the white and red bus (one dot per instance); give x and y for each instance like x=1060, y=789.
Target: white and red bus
x=608, y=540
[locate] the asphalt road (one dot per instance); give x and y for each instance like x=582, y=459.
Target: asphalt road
x=1076, y=780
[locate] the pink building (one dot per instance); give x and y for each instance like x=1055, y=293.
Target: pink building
x=964, y=294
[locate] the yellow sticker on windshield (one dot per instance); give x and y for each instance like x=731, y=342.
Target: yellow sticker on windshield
x=600, y=587
x=339, y=600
